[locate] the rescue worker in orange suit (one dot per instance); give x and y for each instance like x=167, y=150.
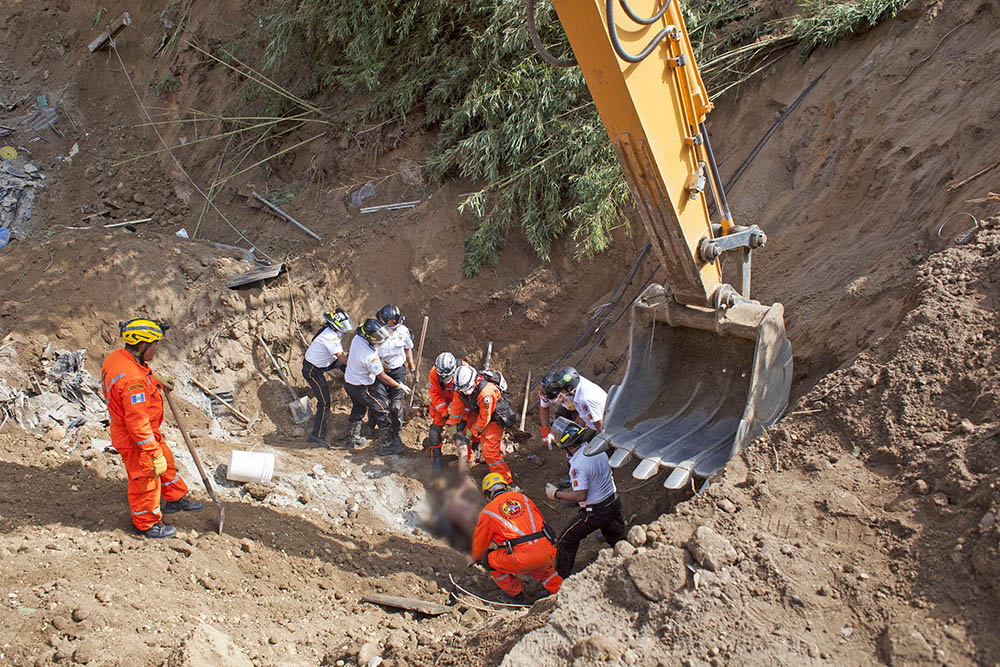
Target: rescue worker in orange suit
x=135, y=405
x=474, y=403
x=441, y=388
x=514, y=523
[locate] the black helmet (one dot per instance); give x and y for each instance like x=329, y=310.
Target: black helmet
x=549, y=390
x=565, y=378
x=389, y=315
x=445, y=365
x=373, y=331
x=338, y=320
x=570, y=434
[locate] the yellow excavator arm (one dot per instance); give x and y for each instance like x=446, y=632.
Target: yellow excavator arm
x=708, y=368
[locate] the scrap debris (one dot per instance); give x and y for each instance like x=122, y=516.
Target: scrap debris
x=112, y=30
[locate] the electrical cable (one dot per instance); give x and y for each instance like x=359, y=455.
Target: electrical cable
x=253, y=246
x=537, y=41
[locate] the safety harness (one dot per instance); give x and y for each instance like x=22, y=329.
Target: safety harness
x=545, y=532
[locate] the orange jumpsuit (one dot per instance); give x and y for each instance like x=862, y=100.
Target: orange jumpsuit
x=508, y=516
x=441, y=397
x=135, y=404
x=483, y=427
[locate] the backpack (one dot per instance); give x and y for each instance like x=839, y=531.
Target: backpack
x=502, y=412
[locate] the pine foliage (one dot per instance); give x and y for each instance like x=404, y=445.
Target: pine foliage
x=527, y=131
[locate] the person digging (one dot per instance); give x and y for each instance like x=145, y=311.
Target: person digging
x=134, y=400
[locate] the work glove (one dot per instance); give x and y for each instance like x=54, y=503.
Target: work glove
x=450, y=430
x=159, y=464
x=165, y=382
x=461, y=440
x=550, y=491
x=405, y=388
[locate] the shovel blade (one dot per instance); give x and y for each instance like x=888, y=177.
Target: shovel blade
x=222, y=515
x=301, y=412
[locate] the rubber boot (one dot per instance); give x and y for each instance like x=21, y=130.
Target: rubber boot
x=319, y=441
x=390, y=444
x=436, y=458
x=356, y=440
x=369, y=431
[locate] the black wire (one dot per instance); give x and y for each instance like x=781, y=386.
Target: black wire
x=537, y=41
x=740, y=170
x=620, y=315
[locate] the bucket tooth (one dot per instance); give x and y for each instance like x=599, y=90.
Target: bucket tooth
x=619, y=458
x=646, y=469
x=599, y=443
x=679, y=476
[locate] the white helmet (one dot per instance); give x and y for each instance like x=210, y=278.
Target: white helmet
x=465, y=379
x=445, y=365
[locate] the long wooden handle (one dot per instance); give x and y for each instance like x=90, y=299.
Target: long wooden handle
x=187, y=441
x=420, y=355
x=524, y=408
x=277, y=368
x=232, y=408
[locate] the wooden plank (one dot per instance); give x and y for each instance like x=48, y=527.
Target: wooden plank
x=106, y=36
x=411, y=604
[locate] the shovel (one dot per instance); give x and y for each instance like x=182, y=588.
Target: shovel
x=301, y=412
x=197, y=462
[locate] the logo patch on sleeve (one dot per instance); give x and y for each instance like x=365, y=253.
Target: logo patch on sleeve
x=135, y=387
x=486, y=400
x=139, y=398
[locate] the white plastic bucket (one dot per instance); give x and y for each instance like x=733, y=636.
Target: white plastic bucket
x=250, y=466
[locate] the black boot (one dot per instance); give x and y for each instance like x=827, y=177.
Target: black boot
x=369, y=431
x=159, y=531
x=185, y=504
x=319, y=441
x=390, y=444
x=436, y=458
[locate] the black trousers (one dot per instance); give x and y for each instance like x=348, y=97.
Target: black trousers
x=368, y=398
x=316, y=379
x=395, y=397
x=605, y=517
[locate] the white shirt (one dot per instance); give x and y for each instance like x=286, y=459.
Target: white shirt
x=393, y=350
x=363, y=364
x=324, y=348
x=593, y=475
x=588, y=401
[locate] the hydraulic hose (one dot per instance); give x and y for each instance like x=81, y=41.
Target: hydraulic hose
x=616, y=42
x=537, y=41
x=652, y=19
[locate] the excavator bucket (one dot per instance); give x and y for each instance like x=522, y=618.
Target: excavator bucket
x=699, y=385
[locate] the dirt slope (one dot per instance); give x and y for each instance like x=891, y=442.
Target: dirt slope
x=862, y=527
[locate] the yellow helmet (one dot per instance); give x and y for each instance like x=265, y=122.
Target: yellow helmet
x=491, y=480
x=139, y=330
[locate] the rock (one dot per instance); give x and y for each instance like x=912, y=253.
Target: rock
x=56, y=432
x=138, y=198
x=727, y=505
x=787, y=549
x=256, y=491
x=368, y=653
x=636, y=536
x=305, y=498
x=79, y=614
x=597, y=648
x=710, y=549
x=902, y=644
x=940, y=499
x=62, y=624
x=398, y=639
x=87, y=651
x=246, y=546
x=930, y=439
x=987, y=522
x=966, y=426
x=209, y=646
x=920, y=487
x=623, y=548
x=658, y=574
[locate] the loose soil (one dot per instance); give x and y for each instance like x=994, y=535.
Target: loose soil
x=861, y=528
